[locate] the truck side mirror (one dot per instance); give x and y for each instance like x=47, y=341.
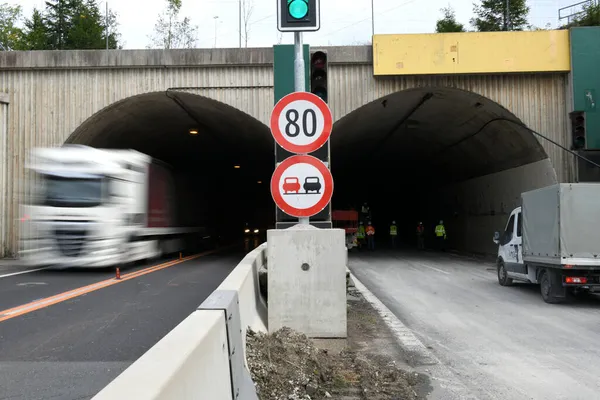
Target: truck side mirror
x=496, y=237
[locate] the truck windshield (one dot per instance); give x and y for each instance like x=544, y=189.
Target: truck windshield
x=72, y=192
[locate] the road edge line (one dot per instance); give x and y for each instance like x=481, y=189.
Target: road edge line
x=447, y=380
x=403, y=335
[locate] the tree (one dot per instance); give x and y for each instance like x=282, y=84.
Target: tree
x=170, y=32
x=490, y=15
x=58, y=20
x=89, y=30
x=448, y=23
x=35, y=35
x=590, y=16
x=248, y=9
x=70, y=25
x=10, y=35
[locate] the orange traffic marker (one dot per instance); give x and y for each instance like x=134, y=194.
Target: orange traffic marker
x=118, y=273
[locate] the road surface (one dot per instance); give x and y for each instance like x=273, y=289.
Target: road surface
x=499, y=342
x=73, y=348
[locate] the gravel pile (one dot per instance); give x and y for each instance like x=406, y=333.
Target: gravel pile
x=286, y=365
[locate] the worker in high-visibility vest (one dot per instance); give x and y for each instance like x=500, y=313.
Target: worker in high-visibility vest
x=371, y=236
x=421, y=236
x=361, y=234
x=393, y=233
x=440, y=235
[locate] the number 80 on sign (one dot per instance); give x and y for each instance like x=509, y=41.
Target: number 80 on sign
x=301, y=122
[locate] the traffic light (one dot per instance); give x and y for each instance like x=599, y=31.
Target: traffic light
x=298, y=15
x=318, y=74
x=578, y=129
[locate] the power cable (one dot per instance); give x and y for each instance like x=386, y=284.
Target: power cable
x=522, y=125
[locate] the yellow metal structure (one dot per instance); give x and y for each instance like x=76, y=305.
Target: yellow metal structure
x=471, y=53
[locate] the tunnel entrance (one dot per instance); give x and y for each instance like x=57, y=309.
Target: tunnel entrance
x=222, y=158
x=423, y=154
x=436, y=153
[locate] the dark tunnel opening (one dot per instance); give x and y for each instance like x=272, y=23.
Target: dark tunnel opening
x=410, y=155
x=420, y=155
x=221, y=157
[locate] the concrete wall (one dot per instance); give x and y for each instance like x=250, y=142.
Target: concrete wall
x=192, y=361
x=473, y=210
x=52, y=93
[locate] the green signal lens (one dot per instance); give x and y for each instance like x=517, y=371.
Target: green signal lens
x=298, y=9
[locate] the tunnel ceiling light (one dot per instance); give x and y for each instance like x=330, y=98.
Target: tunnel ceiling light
x=193, y=132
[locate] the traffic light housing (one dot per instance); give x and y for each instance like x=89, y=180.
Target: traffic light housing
x=298, y=15
x=318, y=74
x=578, y=129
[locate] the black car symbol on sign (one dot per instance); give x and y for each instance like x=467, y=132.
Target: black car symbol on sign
x=312, y=184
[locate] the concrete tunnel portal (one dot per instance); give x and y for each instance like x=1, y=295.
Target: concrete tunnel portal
x=402, y=153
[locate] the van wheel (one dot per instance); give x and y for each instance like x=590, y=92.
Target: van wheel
x=547, y=289
x=503, y=278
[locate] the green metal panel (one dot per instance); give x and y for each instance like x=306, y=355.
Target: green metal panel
x=585, y=70
x=283, y=69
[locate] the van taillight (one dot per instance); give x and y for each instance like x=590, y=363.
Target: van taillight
x=575, y=279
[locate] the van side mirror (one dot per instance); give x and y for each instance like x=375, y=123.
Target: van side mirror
x=496, y=237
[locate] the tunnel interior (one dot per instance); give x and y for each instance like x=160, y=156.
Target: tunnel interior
x=398, y=153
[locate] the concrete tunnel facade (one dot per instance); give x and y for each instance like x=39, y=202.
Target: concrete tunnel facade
x=385, y=126
x=422, y=154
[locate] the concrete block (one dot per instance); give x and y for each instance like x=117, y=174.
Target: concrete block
x=307, y=281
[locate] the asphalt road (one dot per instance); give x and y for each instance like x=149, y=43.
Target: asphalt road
x=72, y=349
x=499, y=342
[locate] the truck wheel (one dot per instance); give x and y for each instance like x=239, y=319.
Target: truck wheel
x=503, y=278
x=548, y=290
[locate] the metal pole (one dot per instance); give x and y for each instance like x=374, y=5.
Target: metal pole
x=507, y=16
x=299, y=81
x=372, y=17
x=240, y=22
x=216, y=17
x=107, y=25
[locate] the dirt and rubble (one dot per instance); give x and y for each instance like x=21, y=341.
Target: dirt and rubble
x=287, y=365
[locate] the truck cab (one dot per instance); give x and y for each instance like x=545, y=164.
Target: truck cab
x=90, y=207
x=510, y=250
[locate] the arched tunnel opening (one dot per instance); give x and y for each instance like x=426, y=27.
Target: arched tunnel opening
x=415, y=155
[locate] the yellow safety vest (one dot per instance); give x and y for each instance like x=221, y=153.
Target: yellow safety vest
x=393, y=230
x=361, y=232
x=440, y=231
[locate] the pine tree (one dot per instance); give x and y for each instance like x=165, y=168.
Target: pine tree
x=490, y=15
x=58, y=18
x=36, y=35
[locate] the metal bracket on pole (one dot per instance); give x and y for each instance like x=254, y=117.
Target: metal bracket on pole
x=242, y=387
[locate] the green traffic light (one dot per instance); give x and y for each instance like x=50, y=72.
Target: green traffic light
x=298, y=9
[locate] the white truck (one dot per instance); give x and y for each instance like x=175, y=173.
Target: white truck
x=90, y=207
x=553, y=240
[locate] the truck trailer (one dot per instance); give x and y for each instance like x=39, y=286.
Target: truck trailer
x=552, y=240
x=89, y=207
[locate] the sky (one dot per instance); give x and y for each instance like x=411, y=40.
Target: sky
x=341, y=24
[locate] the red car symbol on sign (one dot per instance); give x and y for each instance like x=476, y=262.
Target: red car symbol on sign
x=291, y=184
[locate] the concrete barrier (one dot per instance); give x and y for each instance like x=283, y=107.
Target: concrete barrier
x=201, y=358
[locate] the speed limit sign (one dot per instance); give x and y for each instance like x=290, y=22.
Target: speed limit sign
x=301, y=122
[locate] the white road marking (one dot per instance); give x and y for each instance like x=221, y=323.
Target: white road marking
x=433, y=268
x=23, y=272
x=452, y=387
x=31, y=283
x=402, y=333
